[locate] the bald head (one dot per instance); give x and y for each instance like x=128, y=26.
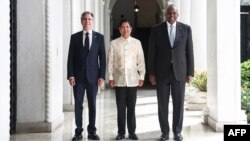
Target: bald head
x=171, y=13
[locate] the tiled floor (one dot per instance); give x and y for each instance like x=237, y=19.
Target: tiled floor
x=146, y=117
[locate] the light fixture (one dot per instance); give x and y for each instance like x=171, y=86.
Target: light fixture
x=136, y=7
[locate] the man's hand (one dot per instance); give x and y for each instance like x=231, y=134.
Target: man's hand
x=189, y=79
x=141, y=82
x=111, y=83
x=152, y=79
x=72, y=81
x=100, y=82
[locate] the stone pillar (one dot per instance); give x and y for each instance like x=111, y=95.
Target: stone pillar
x=223, y=53
x=88, y=5
x=77, y=9
x=5, y=70
x=100, y=12
x=67, y=31
x=185, y=11
x=177, y=3
x=39, y=65
x=107, y=28
x=199, y=28
x=96, y=14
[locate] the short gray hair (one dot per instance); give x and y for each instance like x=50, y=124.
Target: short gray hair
x=86, y=13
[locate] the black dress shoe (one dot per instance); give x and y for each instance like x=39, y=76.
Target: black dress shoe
x=119, y=137
x=93, y=137
x=77, y=137
x=133, y=137
x=178, y=137
x=164, y=137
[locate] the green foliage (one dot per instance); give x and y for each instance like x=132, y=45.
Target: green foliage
x=245, y=87
x=245, y=74
x=200, y=81
x=248, y=118
x=245, y=99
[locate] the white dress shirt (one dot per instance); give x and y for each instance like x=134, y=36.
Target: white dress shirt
x=90, y=38
x=126, y=65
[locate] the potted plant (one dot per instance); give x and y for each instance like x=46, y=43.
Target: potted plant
x=200, y=81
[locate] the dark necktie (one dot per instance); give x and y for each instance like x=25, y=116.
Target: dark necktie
x=86, y=43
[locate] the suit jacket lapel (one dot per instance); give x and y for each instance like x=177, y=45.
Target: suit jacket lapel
x=80, y=39
x=93, y=41
x=164, y=30
x=178, y=34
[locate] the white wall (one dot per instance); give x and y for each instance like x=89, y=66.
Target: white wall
x=5, y=71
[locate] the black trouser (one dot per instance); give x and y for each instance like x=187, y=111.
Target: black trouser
x=79, y=91
x=126, y=98
x=177, y=89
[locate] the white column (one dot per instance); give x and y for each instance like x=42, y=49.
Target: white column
x=39, y=65
x=199, y=28
x=55, y=43
x=107, y=27
x=177, y=3
x=88, y=5
x=106, y=22
x=185, y=11
x=77, y=9
x=101, y=16
x=67, y=90
x=95, y=10
x=223, y=99
x=5, y=70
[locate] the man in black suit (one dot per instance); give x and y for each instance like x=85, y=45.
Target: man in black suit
x=171, y=64
x=86, y=71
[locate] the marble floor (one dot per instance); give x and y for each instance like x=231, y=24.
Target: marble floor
x=146, y=117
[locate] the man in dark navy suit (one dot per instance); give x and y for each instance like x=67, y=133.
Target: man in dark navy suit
x=86, y=71
x=170, y=66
